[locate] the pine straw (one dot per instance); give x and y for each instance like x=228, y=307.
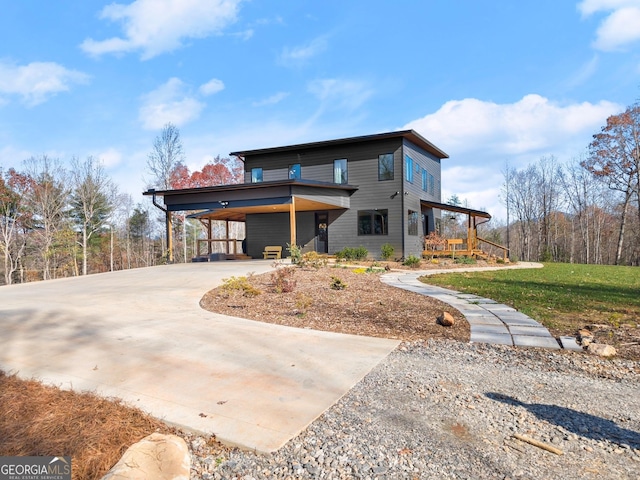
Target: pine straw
x=36, y=419
x=366, y=307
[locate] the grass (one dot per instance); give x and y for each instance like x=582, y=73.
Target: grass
x=561, y=296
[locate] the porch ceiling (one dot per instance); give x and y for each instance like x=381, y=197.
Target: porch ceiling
x=454, y=208
x=239, y=214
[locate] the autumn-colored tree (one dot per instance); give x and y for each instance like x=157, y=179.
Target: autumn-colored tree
x=614, y=156
x=15, y=219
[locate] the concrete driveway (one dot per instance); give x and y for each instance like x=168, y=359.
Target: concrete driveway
x=140, y=335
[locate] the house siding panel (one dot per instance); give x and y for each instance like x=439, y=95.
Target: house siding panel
x=425, y=161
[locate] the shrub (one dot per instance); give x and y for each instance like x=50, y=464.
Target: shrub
x=295, y=252
x=303, y=302
x=239, y=284
x=283, y=280
x=360, y=270
x=412, y=261
x=337, y=283
x=352, y=253
x=465, y=261
x=313, y=260
x=386, y=251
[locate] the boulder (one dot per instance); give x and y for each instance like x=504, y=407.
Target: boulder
x=601, y=350
x=445, y=319
x=155, y=457
x=585, y=337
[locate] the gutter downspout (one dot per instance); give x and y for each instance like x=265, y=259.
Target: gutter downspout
x=168, y=226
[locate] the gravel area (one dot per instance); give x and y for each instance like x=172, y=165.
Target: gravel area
x=445, y=409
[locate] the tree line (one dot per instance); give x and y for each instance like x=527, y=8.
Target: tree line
x=584, y=211
x=60, y=222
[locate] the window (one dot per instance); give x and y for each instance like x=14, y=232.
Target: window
x=408, y=167
x=256, y=175
x=385, y=166
x=340, y=171
x=432, y=182
x=412, y=222
x=373, y=222
x=294, y=171
x=424, y=180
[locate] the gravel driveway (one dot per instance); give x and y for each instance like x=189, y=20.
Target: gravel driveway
x=449, y=410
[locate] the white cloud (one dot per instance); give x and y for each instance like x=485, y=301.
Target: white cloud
x=482, y=136
x=340, y=93
x=110, y=157
x=211, y=87
x=158, y=26
x=300, y=54
x=272, y=100
x=37, y=81
x=620, y=28
x=532, y=124
x=168, y=103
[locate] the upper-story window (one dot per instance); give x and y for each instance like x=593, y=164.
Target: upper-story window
x=294, y=172
x=424, y=180
x=408, y=167
x=256, y=175
x=385, y=166
x=340, y=171
x=432, y=185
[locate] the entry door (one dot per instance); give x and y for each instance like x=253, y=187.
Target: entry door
x=322, y=225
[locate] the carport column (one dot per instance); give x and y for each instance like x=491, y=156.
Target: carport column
x=209, y=236
x=292, y=220
x=169, y=225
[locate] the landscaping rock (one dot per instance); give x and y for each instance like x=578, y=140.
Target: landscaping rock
x=156, y=457
x=601, y=350
x=585, y=337
x=446, y=320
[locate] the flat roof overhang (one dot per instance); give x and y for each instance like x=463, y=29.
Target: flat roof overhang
x=234, y=202
x=410, y=135
x=454, y=208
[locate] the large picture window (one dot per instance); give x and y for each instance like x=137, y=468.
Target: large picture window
x=256, y=175
x=412, y=222
x=340, y=171
x=294, y=172
x=385, y=166
x=408, y=168
x=373, y=222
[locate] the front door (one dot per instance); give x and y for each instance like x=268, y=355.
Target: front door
x=322, y=225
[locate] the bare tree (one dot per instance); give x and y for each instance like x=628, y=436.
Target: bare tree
x=614, y=155
x=166, y=155
x=92, y=200
x=14, y=220
x=47, y=200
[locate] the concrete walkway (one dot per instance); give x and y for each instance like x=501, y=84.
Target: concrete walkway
x=490, y=321
x=140, y=335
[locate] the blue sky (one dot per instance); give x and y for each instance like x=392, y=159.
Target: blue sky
x=486, y=81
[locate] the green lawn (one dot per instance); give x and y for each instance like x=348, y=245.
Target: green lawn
x=562, y=296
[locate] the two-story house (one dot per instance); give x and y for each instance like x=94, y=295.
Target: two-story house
x=324, y=196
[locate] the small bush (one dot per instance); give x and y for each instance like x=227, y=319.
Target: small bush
x=352, y=253
x=313, y=260
x=283, y=280
x=386, y=251
x=303, y=302
x=239, y=284
x=295, y=252
x=337, y=283
x=360, y=270
x=465, y=261
x=411, y=261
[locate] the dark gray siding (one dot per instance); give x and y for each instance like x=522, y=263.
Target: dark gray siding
x=274, y=229
x=422, y=160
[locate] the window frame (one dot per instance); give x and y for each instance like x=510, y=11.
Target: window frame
x=390, y=172
x=344, y=172
x=371, y=215
x=412, y=223
x=295, y=173
x=408, y=166
x=254, y=176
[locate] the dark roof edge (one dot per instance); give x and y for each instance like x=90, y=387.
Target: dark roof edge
x=411, y=135
x=455, y=208
x=247, y=186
